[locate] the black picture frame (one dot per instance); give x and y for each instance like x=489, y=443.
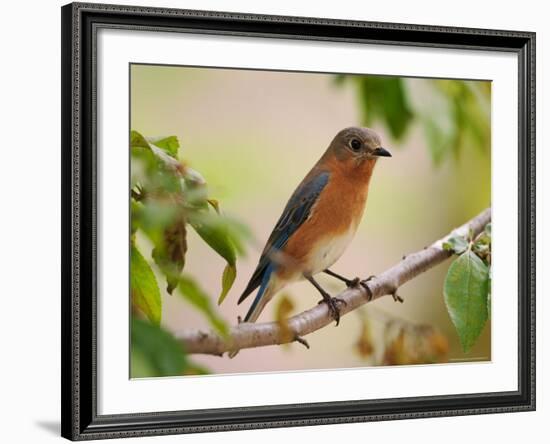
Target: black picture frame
x=80, y=22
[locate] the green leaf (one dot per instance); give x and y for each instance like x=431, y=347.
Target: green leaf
x=191, y=291
x=153, y=167
x=216, y=236
x=385, y=98
x=169, y=252
x=465, y=290
x=170, y=145
x=224, y=237
x=155, y=352
x=456, y=244
x=224, y=234
x=137, y=140
x=228, y=277
x=488, y=229
x=143, y=287
x=216, y=232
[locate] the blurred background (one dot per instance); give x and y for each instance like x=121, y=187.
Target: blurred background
x=253, y=135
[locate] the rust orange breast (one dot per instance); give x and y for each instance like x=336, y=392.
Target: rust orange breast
x=322, y=238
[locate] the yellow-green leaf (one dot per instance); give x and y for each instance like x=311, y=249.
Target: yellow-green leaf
x=143, y=287
x=282, y=312
x=466, y=289
x=215, y=204
x=228, y=277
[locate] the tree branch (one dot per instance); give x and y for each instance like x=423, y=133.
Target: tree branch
x=248, y=335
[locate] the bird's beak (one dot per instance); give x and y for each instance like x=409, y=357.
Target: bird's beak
x=381, y=152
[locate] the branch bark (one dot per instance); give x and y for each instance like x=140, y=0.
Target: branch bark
x=248, y=335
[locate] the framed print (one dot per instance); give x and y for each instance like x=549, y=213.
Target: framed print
x=279, y=221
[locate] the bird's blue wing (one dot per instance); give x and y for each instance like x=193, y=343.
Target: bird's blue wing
x=296, y=212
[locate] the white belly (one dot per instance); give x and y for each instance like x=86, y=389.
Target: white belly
x=329, y=251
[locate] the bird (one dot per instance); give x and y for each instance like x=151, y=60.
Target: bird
x=319, y=221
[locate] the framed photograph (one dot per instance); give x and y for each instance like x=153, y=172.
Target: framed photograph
x=280, y=221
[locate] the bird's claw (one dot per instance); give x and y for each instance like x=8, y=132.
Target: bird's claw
x=301, y=341
x=396, y=297
x=333, y=308
x=364, y=284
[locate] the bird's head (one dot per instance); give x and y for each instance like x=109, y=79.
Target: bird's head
x=355, y=149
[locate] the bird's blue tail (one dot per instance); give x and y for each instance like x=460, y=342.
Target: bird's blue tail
x=261, y=297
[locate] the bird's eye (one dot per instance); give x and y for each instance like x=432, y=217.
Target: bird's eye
x=355, y=144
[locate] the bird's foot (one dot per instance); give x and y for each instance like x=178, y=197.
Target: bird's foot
x=301, y=341
x=365, y=285
x=331, y=302
x=333, y=308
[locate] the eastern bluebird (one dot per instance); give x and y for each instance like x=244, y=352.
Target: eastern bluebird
x=319, y=220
